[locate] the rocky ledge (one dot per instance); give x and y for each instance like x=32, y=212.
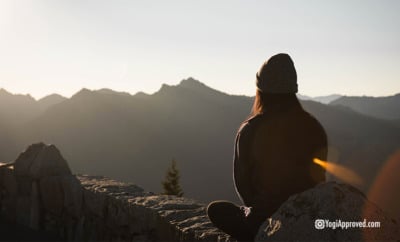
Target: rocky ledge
x=326, y=213
x=39, y=192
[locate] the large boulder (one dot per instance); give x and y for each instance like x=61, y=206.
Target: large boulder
x=41, y=160
x=323, y=214
x=52, y=194
x=41, y=187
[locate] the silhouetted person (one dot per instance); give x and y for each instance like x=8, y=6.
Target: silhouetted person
x=274, y=151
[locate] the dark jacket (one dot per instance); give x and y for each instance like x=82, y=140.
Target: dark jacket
x=273, y=157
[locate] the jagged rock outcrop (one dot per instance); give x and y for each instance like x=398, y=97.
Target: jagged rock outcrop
x=296, y=219
x=38, y=191
x=39, y=161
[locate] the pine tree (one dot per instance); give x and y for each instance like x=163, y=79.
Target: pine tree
x=171, y=183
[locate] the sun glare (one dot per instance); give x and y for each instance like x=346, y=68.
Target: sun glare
x=343, y=173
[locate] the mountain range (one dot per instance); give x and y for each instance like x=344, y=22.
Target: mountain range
x=321, y=99
x=134, y=137
x=379, y=107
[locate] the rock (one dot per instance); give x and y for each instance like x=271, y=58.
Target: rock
x=24, y=186
x=97, y=187
x=8, y=208
x=40, y=160
x=52, y=194
x=73, y=195
x=116, y=213
x=128, y=210
x=8, y=192
x=94, y=203
x=177, y=218
x=26, y=158
x=23, y=211
x=79, y=229
x=35, y=207
x=7, y=180
x=38, y=191
x=338, y=203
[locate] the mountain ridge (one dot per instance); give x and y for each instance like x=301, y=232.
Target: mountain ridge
x=387, y=107
x=133, y=137
x=191, y=84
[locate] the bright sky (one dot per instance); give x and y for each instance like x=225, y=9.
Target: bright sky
x=59, y=46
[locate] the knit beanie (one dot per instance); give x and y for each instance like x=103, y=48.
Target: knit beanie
x=277, y=75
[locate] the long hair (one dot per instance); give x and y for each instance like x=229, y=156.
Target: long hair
x=274, y=102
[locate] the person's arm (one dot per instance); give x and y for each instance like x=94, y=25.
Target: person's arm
x=242, y=167
x=320, y=151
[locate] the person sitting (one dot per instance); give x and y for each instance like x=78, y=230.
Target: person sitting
x=273, y=153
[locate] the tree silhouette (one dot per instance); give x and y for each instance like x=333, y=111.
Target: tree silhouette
x=171, y=183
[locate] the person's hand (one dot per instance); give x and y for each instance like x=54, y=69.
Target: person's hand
x=246, y=210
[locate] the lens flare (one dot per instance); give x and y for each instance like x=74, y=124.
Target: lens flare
x=340, y=172
x=385, y=189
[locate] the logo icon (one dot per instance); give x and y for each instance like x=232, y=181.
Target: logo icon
x=319, y=224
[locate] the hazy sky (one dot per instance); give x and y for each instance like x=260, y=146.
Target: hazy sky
x=347, y=47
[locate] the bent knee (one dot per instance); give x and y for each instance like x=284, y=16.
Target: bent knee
x=220, y=207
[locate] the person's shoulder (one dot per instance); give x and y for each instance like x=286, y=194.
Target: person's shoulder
x=312, y=119
x=247, y=130
x=250, y=124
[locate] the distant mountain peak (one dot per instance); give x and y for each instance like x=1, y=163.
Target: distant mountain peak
x=321, y=99
x=196, y=85
x=141, y=95
x=84, y=90
x=81, y=93
x=191, y=83
x=379, y=107
x=4, y=91
x=327, y=99
x=164, y=87
x=110, y=91
x=51, y=100
x=52, y=96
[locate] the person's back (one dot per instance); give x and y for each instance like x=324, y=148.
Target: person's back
x=274, y=152
x=277, y=149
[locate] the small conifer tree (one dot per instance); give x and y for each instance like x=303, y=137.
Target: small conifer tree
x=171, y=183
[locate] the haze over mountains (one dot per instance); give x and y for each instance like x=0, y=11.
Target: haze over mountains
x=322, y=99
x=379, y=107
x=134, y=137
